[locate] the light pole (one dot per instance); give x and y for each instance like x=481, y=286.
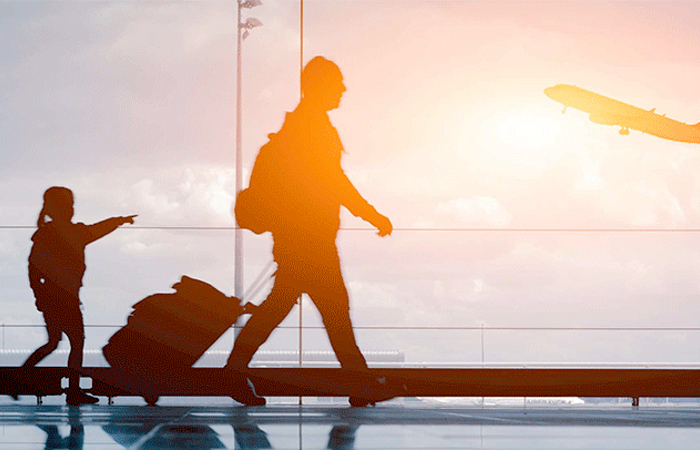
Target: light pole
x=238, y=237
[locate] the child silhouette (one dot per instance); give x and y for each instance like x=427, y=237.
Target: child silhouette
x=56, y=268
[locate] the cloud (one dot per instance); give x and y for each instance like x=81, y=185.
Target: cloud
x=183, y=196
x=476, y=210
x=642, y=204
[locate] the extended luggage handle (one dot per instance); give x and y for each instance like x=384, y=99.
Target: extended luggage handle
x=192, y=287
x=248, y=308
x=260, y=281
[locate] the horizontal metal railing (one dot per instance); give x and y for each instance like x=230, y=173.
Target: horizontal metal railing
x=419, y=328
x=416, y=229
x=484, y=332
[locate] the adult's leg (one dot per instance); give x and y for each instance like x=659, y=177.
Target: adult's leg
x=333, y=304
x=266, y=317
x=264, y=320
x=331, y=298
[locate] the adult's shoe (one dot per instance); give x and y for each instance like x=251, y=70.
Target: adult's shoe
x=242, y=391
x=357, y=402
x=377, y=391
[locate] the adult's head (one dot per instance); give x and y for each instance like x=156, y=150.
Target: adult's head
x=322, y=84
x=58, y=205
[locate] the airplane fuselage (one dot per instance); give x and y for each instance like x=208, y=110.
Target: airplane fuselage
x=607, y=111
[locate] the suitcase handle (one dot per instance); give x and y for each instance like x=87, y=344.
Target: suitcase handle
x=249, y=308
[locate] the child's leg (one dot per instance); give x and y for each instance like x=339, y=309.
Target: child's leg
x=53, y=329
x=74, y=329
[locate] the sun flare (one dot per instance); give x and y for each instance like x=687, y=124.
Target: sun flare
x=528, y=132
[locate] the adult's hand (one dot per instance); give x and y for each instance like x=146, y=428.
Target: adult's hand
x=383, y=225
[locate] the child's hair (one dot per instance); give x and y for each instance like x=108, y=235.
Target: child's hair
x=56, y=199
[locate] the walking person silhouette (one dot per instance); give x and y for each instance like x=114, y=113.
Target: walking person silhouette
x=308, y=189
x=56, y=268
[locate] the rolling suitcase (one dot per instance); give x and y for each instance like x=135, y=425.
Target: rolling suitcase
x=172, y=331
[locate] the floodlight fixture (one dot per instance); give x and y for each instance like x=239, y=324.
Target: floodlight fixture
x=250, y=4
x=251, y=22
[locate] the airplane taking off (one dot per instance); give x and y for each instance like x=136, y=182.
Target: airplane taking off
x=606, y=111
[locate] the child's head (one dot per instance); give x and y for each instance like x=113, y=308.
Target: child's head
x=58, y=205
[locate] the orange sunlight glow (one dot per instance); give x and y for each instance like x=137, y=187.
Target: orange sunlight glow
x=526, y=139
x=526, y=132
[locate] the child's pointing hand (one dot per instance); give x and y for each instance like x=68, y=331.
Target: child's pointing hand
x=128, y=219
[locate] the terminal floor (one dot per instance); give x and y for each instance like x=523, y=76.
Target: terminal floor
x=388, y=426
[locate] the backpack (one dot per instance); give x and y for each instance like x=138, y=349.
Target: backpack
x=258, y=204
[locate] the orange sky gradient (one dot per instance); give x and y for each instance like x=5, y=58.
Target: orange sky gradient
x=445, y=124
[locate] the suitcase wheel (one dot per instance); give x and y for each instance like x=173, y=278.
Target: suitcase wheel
x=151, y=400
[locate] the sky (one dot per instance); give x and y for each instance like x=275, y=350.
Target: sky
x=447, y=131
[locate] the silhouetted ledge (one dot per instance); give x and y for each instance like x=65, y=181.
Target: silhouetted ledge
x=335, y=382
